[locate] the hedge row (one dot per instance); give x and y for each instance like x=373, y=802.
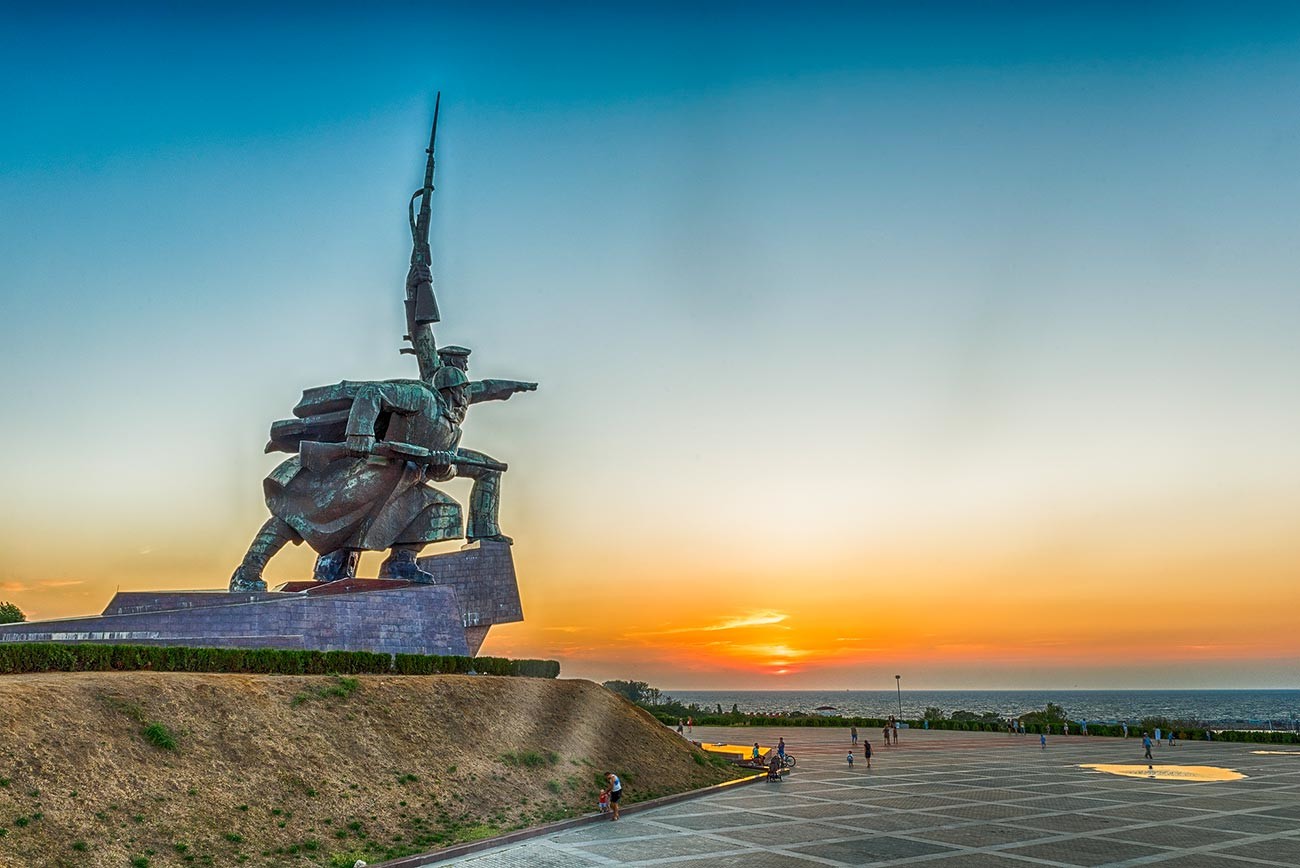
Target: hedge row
x=869, y=723
x=432, y=664
x=744, y=719
x=16, y=657
x=1181, y=732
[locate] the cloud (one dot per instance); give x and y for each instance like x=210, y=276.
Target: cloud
x=779, y=652
x=48, y=584
x=765, y=618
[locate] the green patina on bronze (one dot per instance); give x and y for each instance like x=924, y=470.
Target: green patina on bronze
x=365, y=452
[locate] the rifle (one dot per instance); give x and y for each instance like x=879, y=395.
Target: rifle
x=421, y=304
x=317, y=456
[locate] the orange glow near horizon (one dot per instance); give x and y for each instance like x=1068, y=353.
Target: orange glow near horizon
x=973, y=612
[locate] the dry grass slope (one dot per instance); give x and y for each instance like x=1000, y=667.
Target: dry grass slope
x=162, y=769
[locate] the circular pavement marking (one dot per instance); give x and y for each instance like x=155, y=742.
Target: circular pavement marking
x=1167, y=773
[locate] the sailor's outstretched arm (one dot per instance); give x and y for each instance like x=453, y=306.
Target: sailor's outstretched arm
x=497, y=390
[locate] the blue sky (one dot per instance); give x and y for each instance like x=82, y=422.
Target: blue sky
x=862, y=280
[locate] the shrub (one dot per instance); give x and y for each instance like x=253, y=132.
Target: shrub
x=159, y=736
x=530, y=758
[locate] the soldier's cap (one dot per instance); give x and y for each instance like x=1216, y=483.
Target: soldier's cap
x=453, y=351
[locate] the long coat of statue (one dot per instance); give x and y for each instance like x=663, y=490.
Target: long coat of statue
x=374, y=503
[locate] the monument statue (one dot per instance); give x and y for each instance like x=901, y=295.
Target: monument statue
x=366, y=452
x=365, y=460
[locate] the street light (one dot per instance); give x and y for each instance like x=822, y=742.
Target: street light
x=898, y=682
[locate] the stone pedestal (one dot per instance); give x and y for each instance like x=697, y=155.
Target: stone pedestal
x=476, y=588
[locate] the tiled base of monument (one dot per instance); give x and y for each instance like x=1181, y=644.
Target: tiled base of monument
x=476, y=588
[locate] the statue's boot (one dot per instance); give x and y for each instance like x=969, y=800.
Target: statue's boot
x=484, y=506
x=336, y=565
x=400, y=564
x=269, y=540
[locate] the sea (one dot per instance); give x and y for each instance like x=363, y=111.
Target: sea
x=1264, y=709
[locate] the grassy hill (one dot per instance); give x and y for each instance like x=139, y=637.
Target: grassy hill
x=161, y=769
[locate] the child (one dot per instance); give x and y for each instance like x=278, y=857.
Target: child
x=602, y=803
x=773, y=769
x=850, y=759
x=1042, y=740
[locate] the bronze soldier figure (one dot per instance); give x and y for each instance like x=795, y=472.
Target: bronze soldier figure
x=371, y=494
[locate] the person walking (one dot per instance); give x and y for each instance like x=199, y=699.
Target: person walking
x=615, y=793
x=866, y=752
x=850, y=759
x=1042, y=740
x=690, y=725
x=1146, y=746
x=885, y=732
x=853, y=734
x=1125, y=727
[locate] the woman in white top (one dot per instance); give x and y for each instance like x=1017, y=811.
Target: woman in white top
x=615, y=792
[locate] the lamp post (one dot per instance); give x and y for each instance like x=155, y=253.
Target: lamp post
x=898, y=682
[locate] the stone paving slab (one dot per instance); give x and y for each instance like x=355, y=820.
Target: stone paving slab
x=953, y=800
x=1206, y=860
x=1084, y=851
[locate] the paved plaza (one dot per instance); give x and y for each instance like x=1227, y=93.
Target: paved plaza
x=954, y=800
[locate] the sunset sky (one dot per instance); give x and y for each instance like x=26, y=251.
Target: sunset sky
x=873, y=339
